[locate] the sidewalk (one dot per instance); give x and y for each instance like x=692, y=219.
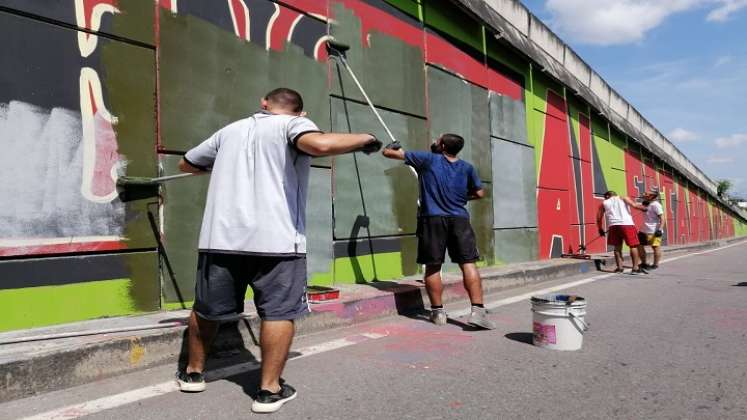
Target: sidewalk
x=40, y=366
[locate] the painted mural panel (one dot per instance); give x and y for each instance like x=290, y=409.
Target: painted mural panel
x=508, y=119
x=42, y=291
x=131, y=19
x=200, y=96
x=513, y=185
x=481, y=218
x=553, y=163
x=319, y=226
x=85, y=119
x=370, y=259
x=636, y=182
x=375, y=196
x=515, y=245
x=554, y=218
x=446, y=95
x=507, y=72
x=386, y=54
x=182, y=206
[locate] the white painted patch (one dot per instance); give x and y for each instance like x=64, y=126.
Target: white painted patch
x=107, y=403
x=42, y=161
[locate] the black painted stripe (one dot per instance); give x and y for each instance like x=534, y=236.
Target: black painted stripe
x=57, y=271
x=359, y=247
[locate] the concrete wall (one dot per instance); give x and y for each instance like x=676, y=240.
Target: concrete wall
x=96, y=89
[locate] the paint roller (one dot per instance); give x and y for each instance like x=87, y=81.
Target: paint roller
x=338, y=49
x=138, y=181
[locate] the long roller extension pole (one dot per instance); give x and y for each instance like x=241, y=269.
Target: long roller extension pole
x=125, y=181
x=339, y=49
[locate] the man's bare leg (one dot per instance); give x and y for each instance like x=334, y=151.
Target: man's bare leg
x=472, y=282
x=479, y=315
x=200, y=335
x=642, y=253
x=275, y=340
x=635, y=258
x=657, y=255
x=433, y=284
x=619, y=257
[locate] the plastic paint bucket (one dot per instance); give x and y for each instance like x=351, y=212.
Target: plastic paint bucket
x=558, y=321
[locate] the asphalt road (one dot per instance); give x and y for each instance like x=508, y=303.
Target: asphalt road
x=671, y=345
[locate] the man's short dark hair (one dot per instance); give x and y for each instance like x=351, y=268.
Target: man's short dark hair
x=285, y=98
x=452, y=143
x=609, y=194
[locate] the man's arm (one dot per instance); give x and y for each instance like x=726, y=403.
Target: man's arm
x=398, y=154
x=633, y=204
x=474, y=186
x=476, y=194
x=600, y=218
x=330, y=144
x=185, y=166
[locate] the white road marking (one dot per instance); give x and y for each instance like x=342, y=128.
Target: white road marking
x=106, y=403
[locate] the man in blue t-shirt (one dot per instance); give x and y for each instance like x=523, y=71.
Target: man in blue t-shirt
x=446, y=184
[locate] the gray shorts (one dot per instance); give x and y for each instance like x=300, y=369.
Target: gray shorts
x=279, y=285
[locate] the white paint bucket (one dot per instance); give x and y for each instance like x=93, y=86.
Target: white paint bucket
x=558, y=322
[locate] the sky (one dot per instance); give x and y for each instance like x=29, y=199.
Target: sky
x=680, y=63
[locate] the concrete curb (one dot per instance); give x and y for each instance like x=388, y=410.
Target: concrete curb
x=34, y=372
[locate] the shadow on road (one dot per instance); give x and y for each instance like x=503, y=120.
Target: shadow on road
x=521, y=337
x=742, y=284
x=407, y=298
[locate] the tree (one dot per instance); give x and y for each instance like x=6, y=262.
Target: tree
x=723, y=186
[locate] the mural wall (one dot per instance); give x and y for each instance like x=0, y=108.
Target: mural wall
x=94, y=89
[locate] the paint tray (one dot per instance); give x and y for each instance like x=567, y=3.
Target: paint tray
x=321, y=294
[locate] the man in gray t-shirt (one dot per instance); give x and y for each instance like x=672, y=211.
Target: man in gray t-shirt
x=253, y=231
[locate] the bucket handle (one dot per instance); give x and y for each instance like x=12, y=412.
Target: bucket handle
x=583, y=323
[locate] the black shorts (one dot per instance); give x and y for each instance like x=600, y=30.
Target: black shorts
x=436, y=234
x=279, y=285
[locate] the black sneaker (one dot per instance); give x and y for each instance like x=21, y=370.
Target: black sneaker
x=652, y=267
x=270, y=402
x=644, y=265
x=638, y=271
x=190, y=382
x=618, y=270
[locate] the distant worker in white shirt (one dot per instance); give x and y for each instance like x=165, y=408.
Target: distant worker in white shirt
x=620, y=226
x=652, y=229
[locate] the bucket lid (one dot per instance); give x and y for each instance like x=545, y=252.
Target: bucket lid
x=559, y=299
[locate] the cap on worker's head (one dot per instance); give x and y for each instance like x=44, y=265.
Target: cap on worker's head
x=609, y=194
x=285, y=98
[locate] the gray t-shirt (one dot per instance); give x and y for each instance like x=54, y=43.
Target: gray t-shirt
x=256, y=201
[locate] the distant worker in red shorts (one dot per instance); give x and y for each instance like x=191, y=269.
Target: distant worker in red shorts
x=620, y=226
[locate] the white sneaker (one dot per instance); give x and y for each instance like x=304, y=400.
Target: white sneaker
x=479, y=318
x=270, y=402
x=190, y=382
x=438, y=316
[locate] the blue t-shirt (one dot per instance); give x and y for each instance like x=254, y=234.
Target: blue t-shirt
x=444, y=185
